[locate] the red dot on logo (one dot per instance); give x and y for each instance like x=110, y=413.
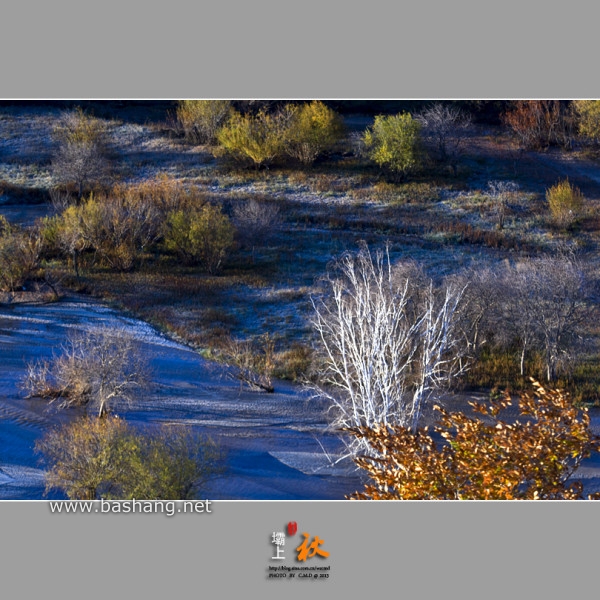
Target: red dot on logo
x=292, y=527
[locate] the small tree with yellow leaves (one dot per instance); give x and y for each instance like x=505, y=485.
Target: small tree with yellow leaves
x=314, y=129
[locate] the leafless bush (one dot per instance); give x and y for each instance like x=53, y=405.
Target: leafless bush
x=357, y=143
x=535, y=305
x=255, y=221
x=60, y=199
x=501, y=193
x=80, y=164
x=479, y=316
x=81, y=156
x=537, y=124
x=446, y=127
x=94, y=369
x=548, y=303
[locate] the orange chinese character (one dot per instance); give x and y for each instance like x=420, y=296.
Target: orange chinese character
x=305, y=551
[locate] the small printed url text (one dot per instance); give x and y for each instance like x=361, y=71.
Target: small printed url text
x=166, y=507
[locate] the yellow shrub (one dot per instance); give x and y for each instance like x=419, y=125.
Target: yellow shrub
x=201, y=119
x=201, y=236
x=314, y=129
x=565, y=202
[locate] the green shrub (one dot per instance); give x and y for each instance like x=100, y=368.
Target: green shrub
x=394, y=142
x=114, y=227
x=5, y=227
x=302, y=132
x=120, y=226
x=201, y=236
x=176, y=462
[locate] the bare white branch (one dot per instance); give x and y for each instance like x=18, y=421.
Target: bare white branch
x=388, y=343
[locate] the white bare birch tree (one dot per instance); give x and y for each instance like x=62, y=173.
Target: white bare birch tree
x=388, y=342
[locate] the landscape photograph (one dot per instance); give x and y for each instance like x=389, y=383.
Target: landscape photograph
x=312, y=299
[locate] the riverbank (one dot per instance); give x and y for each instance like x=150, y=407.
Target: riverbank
x=276, y=444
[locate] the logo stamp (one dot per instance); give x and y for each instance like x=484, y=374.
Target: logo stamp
x=306, y=560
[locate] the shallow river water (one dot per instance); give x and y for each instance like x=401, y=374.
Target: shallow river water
x=276, y=445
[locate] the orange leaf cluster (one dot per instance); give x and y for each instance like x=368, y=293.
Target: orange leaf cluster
x=483, y=457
